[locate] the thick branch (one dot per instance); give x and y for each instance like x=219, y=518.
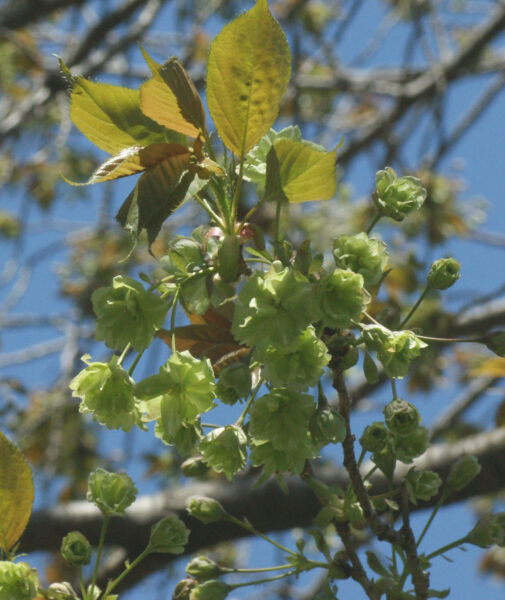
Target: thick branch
x=267, y=507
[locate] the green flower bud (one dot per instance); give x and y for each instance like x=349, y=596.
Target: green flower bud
x=168, y=535
x=401, y=417
x=107, y=392
x=194, y=467
x=234, y=383
x=487, y=531
x=281, y=417
x=183, y=589
x=443, y=273
x=17, y=581
x=75, y=549
x=361, y=254
x=228, y=258
x=203, y=568
x=375, y=437
x=127, y=314
x=273, y=308
x=422, y=485
x=224, y=449
x=396, y=197
x=111, y=492
x=206, y=510
x=62, y=591
x=496, y=343
x=340, y=298
x=327, y=426
x=299, y=369
x=210, y=590
x=462, y=472
x=408, y=447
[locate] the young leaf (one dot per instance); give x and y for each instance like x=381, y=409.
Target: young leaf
x=298, y=172
x=203, y=341
x=16, y=494
x=247, y=75
x=171, y=99
x=158, y=193
x=134, y=160
x=110, y=116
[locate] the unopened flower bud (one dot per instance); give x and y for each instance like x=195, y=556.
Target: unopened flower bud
x=62, y=591
x=327, y=426
x=183, y=589
x=75, y=549
x=210, y=590
x=443, y=273
x=401, y=417
x=462, y=473
x=206, y=510
x=202, y=568
x=375, y=437
x=194, y=467
x=408, y=447
x=487, y=531
x=168, y=535
x=111, y=492
x=422, y=485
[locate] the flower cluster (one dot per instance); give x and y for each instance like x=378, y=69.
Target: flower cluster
x=183, y=389
x=361, y=254
x=107, y=392
x=273, y=308
x=397, y=197
x=395, y=349
x=127, y=314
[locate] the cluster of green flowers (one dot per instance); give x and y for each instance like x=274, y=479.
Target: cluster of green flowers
x=394, y=349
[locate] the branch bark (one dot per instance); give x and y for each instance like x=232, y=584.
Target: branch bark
x=267, y=507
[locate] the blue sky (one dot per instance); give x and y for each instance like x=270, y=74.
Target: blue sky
x=482, y=154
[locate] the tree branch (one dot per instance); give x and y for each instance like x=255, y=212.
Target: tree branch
x=267, y=507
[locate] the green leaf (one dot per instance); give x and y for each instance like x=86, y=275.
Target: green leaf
x=247, y=75
x=255, y=164
x=110, y=116
x=133, y=160
x=158, y=193
x=16, y=494
x=299, y=172
x=171, y=99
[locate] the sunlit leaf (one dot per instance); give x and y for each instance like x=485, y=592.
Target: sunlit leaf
x=299, y=172
x=133, y=160
x=171, y=99
x=110, y=116
x=16, y=494
x=247, y=75
x=158, y=193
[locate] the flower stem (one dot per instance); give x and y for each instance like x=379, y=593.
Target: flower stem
x=112, y=584
x=99, y=550
x=246, y=525
x=447, y=548
x=265, y=580
x=373, y=223
x=247, y=406
x=414, y=308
